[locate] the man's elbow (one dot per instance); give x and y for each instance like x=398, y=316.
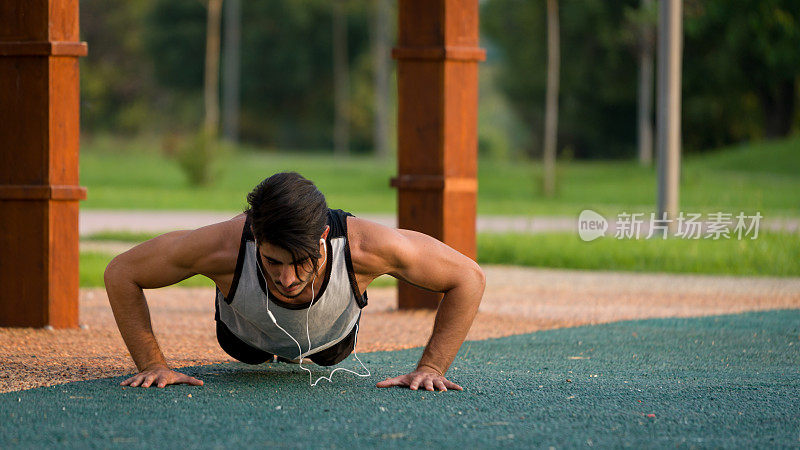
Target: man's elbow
x=115, y=272
x=477, y=278
x=481, y=277
x=110, y=273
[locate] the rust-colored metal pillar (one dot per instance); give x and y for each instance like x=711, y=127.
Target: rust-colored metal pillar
x=39, y=192
x=437, y=77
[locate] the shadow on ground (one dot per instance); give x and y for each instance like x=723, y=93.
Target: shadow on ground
x=731, y=381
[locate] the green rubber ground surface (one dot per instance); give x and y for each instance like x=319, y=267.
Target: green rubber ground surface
x=723, y=381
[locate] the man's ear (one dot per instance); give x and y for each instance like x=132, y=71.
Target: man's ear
x=325, y=233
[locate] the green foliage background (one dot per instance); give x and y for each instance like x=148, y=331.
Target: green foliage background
x=144, y=72
x=741, y=67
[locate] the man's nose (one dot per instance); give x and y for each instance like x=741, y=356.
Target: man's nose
x=287, y=276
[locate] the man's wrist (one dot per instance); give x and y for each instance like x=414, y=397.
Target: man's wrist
x=157, y=365
x=424, y=367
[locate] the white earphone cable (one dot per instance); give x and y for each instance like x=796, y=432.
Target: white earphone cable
x=308, y=335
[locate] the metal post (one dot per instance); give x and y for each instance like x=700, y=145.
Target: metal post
x=670, y=32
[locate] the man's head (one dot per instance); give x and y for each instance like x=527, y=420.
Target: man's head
x=288, y=215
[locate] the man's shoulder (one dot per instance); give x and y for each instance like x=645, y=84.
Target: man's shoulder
x=229, y=232
x=361, y=232
x=370, y=243
x=211, y=250
x=337, y=221
x=222, y=233
x=217, y=243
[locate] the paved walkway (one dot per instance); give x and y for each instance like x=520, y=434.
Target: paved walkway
x=93, y=221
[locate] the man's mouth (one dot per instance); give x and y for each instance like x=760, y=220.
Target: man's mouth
x=291, y=289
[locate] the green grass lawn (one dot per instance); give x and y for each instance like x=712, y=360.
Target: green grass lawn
x=771, y=254
x=755, y=177
x=93, y=264
x=761, y=177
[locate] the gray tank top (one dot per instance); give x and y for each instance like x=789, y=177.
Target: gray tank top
x=331, y=316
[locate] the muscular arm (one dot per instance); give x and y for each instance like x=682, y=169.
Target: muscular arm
x=159, y=262
x=428, y=263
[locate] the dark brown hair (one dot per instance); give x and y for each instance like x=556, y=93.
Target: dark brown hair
x=287, y=210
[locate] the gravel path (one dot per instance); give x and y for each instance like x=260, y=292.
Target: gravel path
x=517, y=300
x=94, y=221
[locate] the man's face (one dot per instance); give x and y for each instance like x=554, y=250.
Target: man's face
x=290, y=276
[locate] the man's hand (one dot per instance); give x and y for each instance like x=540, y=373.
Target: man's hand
x=160, y=376
x=424, y=377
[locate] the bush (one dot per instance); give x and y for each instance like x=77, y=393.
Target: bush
x=200, y=156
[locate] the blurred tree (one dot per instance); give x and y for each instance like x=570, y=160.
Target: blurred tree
x=287, y=76
x=740, y=70
x=551, y=107
x=597, y=107
x=744, y=62
x=231, y=73
x=118, y=88
x=199, y=156
x=644, y=20
x=211, y=74
x=341, y=79
x=175, y=39
x=145, y=70
x=286, y=67
x=380, y=37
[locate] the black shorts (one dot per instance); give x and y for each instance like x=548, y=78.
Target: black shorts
x=246, y=353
